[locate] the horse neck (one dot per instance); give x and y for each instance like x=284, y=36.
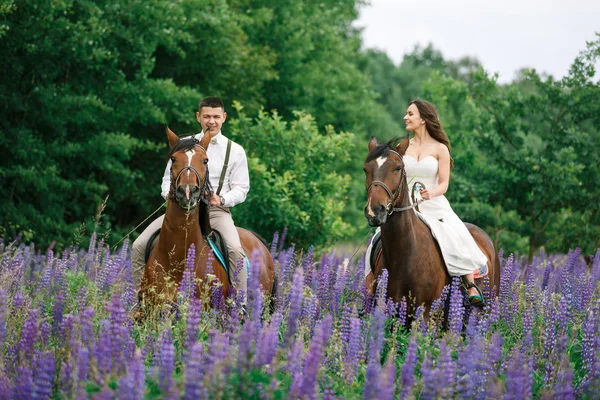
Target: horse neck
x=401, y=231
x=182, y=228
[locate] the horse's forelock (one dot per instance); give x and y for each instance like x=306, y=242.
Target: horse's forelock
x=183, y=145
x=383, y=149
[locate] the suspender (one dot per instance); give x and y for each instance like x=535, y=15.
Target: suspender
x=225, y=164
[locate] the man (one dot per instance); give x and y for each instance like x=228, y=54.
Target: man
x=233, y=190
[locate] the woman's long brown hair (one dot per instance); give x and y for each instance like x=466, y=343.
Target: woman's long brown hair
x=433, y=124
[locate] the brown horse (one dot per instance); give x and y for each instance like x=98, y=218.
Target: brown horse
x=186, y=213
x=410, y=253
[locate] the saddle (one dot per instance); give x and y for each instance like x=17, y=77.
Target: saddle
x=216, y=242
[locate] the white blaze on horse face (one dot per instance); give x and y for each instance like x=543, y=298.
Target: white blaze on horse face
x=369, y=210
x=380, y=161
x=189, y=154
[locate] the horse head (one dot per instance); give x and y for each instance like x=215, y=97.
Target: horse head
x=385, y=179
x=189, y=169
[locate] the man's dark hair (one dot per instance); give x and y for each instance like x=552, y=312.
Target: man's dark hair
x=211, y=102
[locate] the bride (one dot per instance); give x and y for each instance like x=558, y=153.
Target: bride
x=427, y=160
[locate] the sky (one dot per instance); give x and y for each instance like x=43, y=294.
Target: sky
x=505, y=36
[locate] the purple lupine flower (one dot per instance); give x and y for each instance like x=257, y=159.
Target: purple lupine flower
x=187, y=287
x=295, y=302
x=166, y=361
x=408, y=368
x=118, y=334
x=402, y=311
x=42, y=381
x=457, y=308
x=23, y=389
x=132, y=386
x=268, y=341
x=472, y=371
x=309, y=311
x=255, y=296
x=345, y=324
x=28, y=336
x=447, y=370
x=294, y=360
x=563, y=387
x=387, y=381
x=246, y=343
x=589, y=343
x=194, y=387
x=18, y=300
x=86, y=320
x=562, y=314
x=309, y=266
x=547, y=271
x=506, y=286
x=282, y=240
x=57, y=313
x=430, y=386
x=83, y=365
x=519, y=379
x=103, y=349
x=193, y=319
x=340, y=284
x=323, y=285
x=273, y=249
x=353, y=349
x=380, y=295
x=305, y=385
x=45, y=332
x=46, y=278
x=3, y=316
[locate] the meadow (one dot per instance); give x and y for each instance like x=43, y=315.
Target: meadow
x=67, y=330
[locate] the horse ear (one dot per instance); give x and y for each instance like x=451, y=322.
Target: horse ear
x=173, y=138
x=372, y=143
x=403, y=145
x=205, y=141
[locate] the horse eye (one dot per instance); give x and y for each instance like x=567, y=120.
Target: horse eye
x=206, y=161
x=399, y=167
x=172, y=158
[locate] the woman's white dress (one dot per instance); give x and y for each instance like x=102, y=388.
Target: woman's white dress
x=461, y=254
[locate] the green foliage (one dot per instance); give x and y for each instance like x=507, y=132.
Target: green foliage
x=294, y=177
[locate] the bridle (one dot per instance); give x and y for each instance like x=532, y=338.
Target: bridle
x=395, y=194
x=202, y=183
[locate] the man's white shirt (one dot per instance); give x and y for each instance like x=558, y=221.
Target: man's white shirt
x=237, y=181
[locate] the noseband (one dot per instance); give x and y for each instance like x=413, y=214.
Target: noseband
x=394, y=195
x=202, y=183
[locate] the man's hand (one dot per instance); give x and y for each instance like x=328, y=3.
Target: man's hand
x=215, y=200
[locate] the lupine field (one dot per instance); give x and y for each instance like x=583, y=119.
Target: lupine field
x=68, y=330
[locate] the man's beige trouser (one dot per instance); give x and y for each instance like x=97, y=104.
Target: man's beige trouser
x=220, y=220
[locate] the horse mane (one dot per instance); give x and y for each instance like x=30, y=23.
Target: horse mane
x=383, y=149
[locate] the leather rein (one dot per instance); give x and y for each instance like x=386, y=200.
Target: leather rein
x=395, y=195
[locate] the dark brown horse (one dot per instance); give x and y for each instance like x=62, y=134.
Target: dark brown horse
x=186, y=212
x=410, y=253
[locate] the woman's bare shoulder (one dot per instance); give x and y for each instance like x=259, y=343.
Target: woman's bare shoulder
x=442, y=150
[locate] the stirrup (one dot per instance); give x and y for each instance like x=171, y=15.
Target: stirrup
x=476, y=300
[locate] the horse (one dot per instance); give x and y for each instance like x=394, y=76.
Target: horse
x=412, y=256
x=186, y=222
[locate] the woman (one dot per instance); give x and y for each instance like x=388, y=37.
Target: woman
x=427, y=160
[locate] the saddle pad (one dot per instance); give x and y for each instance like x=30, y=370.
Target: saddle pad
x=377, y=250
